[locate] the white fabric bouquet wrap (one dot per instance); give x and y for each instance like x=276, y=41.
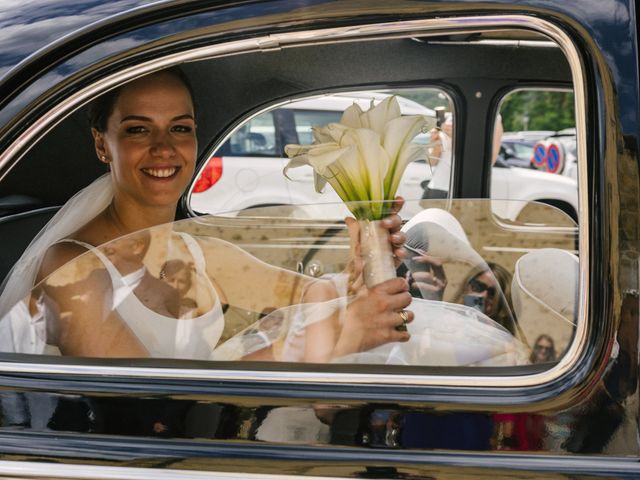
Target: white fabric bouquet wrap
x=363, y=158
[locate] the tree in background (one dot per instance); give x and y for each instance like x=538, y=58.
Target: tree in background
x=537, y=110
x=521, y=110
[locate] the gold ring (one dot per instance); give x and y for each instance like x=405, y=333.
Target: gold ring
x=404, y=315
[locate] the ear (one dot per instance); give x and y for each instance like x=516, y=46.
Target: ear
x=100, y=146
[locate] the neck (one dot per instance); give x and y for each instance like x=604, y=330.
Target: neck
x=127, y=219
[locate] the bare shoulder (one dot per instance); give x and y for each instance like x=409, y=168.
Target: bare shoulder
x=57, y=255
x=96, y=232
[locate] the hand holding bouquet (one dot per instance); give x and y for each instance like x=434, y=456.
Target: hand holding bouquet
x=363, y=158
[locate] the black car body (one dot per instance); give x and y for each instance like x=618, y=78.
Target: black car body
x=157, y=418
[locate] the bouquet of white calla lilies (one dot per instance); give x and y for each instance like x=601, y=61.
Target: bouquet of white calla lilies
x=364, y=156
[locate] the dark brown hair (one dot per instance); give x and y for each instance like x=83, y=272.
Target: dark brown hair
x=552, y=351
x=101, y=108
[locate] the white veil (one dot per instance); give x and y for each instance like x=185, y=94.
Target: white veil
x=78, y=211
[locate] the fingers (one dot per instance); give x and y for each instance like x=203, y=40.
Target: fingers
x=390, y=297
x=398, y=301
x=429, y=278
x=392, y=286
x=392, y=223
x=427, y=259
x=435, y=277
x=398, y=240
x=397, y=205
x=399, y=332
x=428, y=287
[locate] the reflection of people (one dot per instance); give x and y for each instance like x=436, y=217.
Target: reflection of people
x=490, y=292
x=145, y=132
x=440, y=158
x=498, y=131
x=435, y=238
x=177, y=273
x=544, y=350
x=127, y=255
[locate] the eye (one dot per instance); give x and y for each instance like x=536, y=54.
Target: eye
x=134, y=130
x=182, y=128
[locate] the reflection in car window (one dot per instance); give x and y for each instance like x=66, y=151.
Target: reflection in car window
x=537, y=157
x=228, y=288
x=267, y=134
x=256, y=137
x=307, y=119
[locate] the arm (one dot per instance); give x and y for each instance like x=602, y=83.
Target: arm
x=85, y=323
x=372, y=315
x=247, y=282
x=369, y=320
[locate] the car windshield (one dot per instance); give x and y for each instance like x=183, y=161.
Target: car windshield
x=290, y=284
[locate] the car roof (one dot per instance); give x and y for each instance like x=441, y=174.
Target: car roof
x=29, y=29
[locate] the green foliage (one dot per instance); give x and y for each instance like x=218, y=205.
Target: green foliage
x=546, y=110
x=521, y=110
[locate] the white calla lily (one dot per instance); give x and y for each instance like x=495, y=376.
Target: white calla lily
x=351, y=117
x=317, y=156
x=398, y=134
x=377, y=117
x=363, y=156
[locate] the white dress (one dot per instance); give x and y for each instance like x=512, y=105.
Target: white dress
x=442, y=334
x=163, y=336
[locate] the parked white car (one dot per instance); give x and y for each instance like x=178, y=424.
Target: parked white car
x=247, y=169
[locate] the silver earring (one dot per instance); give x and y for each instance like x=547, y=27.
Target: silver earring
x=103, y=158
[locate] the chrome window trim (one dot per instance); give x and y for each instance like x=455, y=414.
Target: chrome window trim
x=294, y=39
x=39, y=470
x=558, y=464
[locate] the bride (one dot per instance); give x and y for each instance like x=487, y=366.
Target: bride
x=87, y=287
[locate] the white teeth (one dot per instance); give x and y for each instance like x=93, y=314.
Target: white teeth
x=160, y=172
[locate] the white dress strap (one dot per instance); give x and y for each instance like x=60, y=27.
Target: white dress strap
x=116, y=277
x=195, y=251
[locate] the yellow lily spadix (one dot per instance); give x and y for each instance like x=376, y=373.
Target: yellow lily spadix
x=363, y=156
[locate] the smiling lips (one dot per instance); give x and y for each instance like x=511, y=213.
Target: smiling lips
x=160, y=172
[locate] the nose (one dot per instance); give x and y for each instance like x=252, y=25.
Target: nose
x=162, y=146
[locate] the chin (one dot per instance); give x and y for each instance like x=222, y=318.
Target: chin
x=164, y=201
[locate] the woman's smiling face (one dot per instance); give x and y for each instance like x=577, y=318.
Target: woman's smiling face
x=150, y=141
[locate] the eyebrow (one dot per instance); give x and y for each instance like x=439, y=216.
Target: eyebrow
x=141, y=118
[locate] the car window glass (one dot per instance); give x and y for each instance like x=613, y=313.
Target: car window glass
x=267, y=134
x=287, y=284
x=305, y=120
x=537, y=159
x=256, y=137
